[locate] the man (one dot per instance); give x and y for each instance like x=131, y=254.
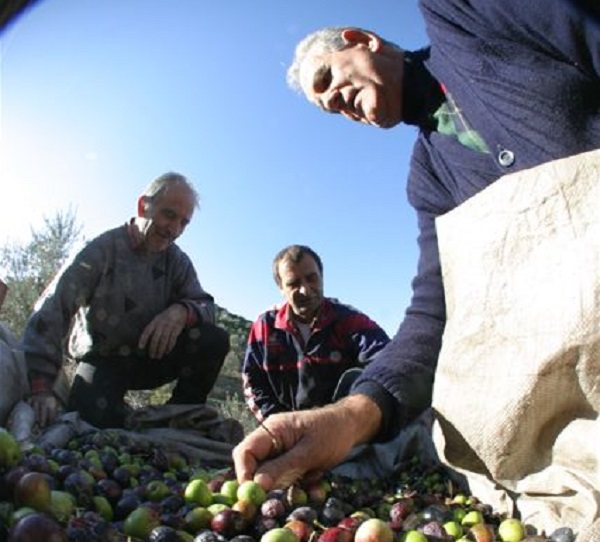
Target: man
x=502, y=87
x=306, y=352
x=133, y=313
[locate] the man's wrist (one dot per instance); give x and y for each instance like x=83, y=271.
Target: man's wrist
x=363, y=415
x=40, y=384
x=392, y=416
x=190, y=316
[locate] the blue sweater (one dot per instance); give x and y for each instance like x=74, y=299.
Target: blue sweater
x=526, y=77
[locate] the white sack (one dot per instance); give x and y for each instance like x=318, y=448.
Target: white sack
x=517, y=389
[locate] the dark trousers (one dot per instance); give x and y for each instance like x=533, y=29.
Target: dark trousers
x=100, y=383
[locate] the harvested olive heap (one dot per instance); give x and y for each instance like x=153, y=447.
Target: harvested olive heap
x=105, y=487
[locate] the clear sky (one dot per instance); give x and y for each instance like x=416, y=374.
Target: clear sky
x=98, y=97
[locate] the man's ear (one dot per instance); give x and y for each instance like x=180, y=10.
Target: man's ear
x=144, y=205
x=355, y=36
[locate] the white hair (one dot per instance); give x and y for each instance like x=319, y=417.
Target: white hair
x=322, y=41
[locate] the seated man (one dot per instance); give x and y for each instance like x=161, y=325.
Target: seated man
x=308, y=351
x=133, y=313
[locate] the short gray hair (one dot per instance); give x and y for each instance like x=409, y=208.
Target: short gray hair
x=325, y=40
x=162, y=183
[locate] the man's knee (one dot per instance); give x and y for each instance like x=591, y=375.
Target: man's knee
x=94, y=406
x=209, y=338
x=98, y=394
x=221, y=340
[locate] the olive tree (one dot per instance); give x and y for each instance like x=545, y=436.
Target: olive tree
x=28, y=267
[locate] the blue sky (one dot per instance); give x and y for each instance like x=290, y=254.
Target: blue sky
x=98, y=97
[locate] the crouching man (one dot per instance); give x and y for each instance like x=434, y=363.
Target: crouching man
x=131, y=310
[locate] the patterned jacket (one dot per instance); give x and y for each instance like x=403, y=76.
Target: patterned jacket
x=281, y=372
x=102, y=299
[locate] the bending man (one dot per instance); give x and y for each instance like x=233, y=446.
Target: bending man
x=501, y=88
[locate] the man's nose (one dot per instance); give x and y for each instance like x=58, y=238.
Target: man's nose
x=175, y=229
x=332, y=101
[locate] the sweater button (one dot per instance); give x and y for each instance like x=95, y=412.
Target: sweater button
x=506, y=158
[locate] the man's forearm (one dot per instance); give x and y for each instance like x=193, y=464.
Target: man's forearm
x=360, y=413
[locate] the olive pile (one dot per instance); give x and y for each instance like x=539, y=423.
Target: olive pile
x=105, y=487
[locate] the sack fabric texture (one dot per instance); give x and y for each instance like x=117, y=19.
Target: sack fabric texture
x=517, y=390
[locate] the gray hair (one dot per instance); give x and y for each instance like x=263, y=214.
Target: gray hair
x=325, y=40
x=161, y=184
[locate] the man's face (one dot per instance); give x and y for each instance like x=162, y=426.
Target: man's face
x=302, y=285
x=362, y=82
x=167, y=217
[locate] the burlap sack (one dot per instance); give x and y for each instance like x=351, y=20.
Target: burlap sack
x=517, y=390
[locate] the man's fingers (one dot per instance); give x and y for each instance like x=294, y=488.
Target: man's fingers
x=264, y=480
x=40, y=414
x=39, y=410
x=280, y=472
x=158, y=343
x=161, y=336
x=166, y=343
x=313, y=476
x=45, y=408
x=245, y=464
x=284, y=470
x=255, y=448
x=44, y=413
x=145, y=336
x=154, y=348
x=50, y=414
x=51, y=410
x=172, y=340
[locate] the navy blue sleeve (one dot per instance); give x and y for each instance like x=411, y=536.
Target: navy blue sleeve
x=566, y=29
x=400, y=379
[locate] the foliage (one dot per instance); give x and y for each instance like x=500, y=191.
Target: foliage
x=228, y=389
x=27, y=269
x=238, y=328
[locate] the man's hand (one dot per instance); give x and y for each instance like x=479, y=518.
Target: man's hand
x=308, y=441
x=161, y=334
x=45, y=406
